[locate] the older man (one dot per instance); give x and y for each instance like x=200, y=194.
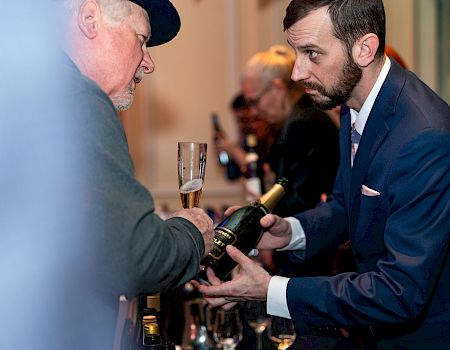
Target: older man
x=391, y=197
x=129, y=248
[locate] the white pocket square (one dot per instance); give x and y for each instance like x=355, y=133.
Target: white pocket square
x=367, y=191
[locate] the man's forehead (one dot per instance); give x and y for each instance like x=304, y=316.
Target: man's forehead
x=311, y=29
x=139, y=18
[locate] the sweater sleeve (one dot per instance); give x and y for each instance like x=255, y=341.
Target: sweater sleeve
x=133, y=249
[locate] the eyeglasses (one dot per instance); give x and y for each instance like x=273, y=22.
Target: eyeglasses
x=253, y=102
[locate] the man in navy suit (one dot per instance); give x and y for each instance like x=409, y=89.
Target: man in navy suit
x=391, y=198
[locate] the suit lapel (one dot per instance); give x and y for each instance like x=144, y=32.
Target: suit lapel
x=344, y=140
x=375, y=131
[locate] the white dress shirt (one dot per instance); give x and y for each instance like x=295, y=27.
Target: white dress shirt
x=276, y=294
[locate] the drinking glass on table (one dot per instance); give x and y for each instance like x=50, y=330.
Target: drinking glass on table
x=191, y=172
x=281, y=332
x=255, y=315
x=227, y=328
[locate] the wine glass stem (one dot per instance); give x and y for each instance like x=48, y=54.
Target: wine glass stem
x=259, y=341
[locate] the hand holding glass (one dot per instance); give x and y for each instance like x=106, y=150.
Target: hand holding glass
x=191, y=172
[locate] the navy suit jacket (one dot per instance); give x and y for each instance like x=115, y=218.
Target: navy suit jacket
x=400, y=238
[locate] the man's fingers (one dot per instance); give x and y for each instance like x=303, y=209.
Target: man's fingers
x=217, y=302
x=229, y=306
x=212, y=277
x=213, y=291
x=231, y=210
x=237, y=255
x=195, y=283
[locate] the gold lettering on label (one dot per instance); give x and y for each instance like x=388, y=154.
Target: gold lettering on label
x=219, y=242
x=223, y=237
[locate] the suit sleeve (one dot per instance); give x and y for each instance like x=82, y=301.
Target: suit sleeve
x=416, y=237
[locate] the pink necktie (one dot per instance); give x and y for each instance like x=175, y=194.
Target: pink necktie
x=355, y=138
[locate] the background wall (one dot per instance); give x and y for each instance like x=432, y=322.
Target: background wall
x=198, y=73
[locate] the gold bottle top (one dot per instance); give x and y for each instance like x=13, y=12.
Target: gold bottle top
x=270, y=199
x=153, y=301
x=150, y=325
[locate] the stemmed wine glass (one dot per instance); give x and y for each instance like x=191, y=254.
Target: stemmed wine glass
x=191, y=172
x=281, y=332
x=227, y=328
x=257, y=318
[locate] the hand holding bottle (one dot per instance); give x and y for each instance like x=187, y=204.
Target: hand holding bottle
x=241, y=229
x=277, y=232
x=250, y=283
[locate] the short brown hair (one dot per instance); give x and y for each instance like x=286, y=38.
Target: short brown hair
x=351, y=19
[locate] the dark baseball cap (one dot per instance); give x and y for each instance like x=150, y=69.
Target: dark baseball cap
x=164, y=20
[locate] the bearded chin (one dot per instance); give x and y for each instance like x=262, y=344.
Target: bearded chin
x=341, y=92
x=123, y=102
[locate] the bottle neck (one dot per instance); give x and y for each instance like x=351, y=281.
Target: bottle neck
x=270, y=199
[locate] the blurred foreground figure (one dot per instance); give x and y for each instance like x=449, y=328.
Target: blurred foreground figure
x=391, y=198
x=100, y=237
x=43, y=233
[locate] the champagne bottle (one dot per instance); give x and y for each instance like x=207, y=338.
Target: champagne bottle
x=242, y=230
x=151, y=338
x=149, y=308
x=224, y=158
x=166, y=346
x=252, y=183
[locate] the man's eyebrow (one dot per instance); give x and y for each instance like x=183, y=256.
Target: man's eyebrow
x=308, y=46
x=304, y=47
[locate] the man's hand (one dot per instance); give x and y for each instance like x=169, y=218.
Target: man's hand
x=277, y=232
x=203, y=222
x=250, y=283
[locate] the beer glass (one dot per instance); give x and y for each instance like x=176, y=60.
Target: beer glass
x=191, y=172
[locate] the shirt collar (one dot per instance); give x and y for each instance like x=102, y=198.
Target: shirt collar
x=360, y=118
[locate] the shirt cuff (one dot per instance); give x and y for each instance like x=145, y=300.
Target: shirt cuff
x=298, y=238
x=276, y=297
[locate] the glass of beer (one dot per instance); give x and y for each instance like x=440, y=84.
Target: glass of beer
x=191, y=172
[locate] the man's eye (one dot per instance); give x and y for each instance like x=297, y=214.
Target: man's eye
x=312, y=54
x=141, y=39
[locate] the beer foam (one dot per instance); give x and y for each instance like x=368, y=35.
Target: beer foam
x=191, y=186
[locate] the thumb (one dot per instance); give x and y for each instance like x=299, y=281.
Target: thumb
x=267, y=220
x=237, y=255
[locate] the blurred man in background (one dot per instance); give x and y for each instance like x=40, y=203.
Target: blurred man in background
x=306, y=150
x=248, y=123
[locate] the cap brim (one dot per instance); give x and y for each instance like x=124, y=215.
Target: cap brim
x=164, y=20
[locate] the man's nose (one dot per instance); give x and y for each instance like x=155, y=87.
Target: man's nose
x=147, y=62
x=300, y=70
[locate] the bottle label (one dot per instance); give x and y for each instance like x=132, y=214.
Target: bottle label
x=222, y=238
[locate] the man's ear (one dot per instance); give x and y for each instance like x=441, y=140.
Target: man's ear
x=365, y=49
x=88, y=16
